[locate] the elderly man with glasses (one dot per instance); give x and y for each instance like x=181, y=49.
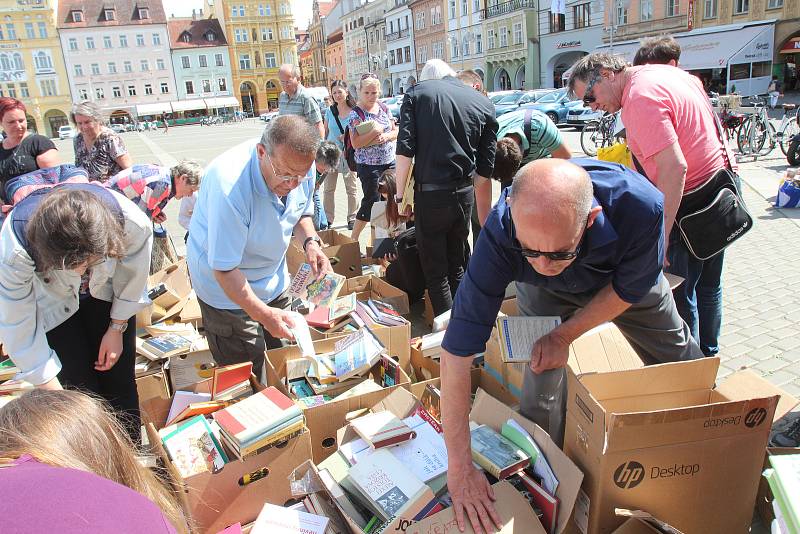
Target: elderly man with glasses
x=254, y=197
x=295, y=100
x=583, y=240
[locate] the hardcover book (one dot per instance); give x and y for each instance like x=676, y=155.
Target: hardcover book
x=164, y=346
x=356, y=354
x=496, y=454
x=382, y=429
x=257, y=415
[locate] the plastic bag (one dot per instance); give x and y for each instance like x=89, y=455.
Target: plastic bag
x=616, y=153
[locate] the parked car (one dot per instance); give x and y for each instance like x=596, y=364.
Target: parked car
x=394, y=103
x=494, y=96
x=555, y=105
x=266, y=117
x=580, y=115
x=118, y=128
x=66, y=132
x=515, y=99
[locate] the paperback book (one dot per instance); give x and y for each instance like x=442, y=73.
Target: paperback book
x=356, y=354
x=321, y=291
x=163, y=346
x=519, y=334
x=194, y=449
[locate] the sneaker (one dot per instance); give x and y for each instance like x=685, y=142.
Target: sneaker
x=789, y=435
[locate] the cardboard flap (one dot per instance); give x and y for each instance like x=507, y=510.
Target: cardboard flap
x=489, y=411
x=653, y=379
x=643, y=517
x=746, y=384
x=602, y=349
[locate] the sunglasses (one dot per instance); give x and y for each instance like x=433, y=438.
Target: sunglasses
x=588, y=95
x=286, y=177
x=566, y=255
x=368, y=75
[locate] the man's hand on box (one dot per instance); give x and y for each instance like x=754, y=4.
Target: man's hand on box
x=472, y=495
x=278, y=323
x=317, y=259
x=549, y=352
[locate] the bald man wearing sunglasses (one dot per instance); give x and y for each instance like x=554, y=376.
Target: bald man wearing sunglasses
x=583, y=240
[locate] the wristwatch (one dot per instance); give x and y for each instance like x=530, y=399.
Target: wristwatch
x=309, y=240
x=398, y=199
x=118, y=327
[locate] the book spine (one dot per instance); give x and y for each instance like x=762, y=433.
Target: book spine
x=393, y=440
x=486, y=464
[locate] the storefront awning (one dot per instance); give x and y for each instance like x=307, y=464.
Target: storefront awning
x=792, y=46
x=187, y=105
x=222, y=102
x=153, y=109
x=714, y=48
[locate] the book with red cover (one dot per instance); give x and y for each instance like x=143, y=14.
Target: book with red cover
x=257, y=415
x=230, y=377
x=542, y=500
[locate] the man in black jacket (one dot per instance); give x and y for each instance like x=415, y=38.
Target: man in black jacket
x=450, y=130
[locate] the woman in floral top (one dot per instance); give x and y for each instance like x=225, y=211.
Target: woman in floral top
x=374, y=149
x=98, y=149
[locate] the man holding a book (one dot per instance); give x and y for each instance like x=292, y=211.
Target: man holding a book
x=254, y=198
x=584, y=241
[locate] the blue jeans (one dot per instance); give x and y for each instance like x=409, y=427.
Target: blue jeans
x=699, y=297
x=320, y=219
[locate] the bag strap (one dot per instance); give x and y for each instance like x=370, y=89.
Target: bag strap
x=335, y=113
x=360, y=112
x=527, y=130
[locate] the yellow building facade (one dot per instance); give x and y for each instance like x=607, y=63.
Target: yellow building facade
x=32, y=65
x=260, y=37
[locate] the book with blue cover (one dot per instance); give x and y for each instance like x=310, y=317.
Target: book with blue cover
x=356, y=354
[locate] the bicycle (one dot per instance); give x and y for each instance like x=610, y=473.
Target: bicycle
x=757, y=136
x=598, y=134
x=788, y=128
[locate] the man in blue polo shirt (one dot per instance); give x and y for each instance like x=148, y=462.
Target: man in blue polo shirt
x=254, y=197
x=584, y=240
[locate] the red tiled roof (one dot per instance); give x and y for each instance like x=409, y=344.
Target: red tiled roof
x=197, y=29
x=325, y=8
x=125, y=13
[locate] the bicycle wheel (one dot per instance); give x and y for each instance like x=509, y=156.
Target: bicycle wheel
x=769, y=141
x=787, y=134
x=751, y=143
x=589, y=138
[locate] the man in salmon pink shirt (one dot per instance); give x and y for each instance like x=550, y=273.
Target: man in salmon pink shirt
x=671, y=132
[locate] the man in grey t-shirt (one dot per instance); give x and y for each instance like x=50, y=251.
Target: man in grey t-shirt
x=295, y=100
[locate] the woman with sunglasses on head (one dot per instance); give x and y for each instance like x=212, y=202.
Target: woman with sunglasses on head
x=22, y=151
x=74, y=261
x=337, y=118
x=374, y=149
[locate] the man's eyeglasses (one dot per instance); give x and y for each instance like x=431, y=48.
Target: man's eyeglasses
x=588, y=95
x=286, y=177
x=566, y=255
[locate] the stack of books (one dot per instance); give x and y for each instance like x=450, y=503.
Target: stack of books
x=431, y=345
x=259, y=421
x=163, y=346
x=377, y=312
x=784, y=481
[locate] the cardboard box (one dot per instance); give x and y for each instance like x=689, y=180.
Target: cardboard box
x=216, y=500
x=640, y=522
x=179, y=287
x=323, y=421
x=665, y=439
x=343, y=252
x=480, y=379
x=186, y=370
x=764, y=496
x=423, y=368
x=487, y=410
x=395, y=338
x=190, y=313
x=154, y=392
x=601, y=349
x=371, y=287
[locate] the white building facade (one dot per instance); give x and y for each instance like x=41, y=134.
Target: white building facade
x=118, y=57
x=400, y=46
x=465, y=36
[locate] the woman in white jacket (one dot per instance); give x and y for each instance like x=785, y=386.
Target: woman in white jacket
x=74, y=262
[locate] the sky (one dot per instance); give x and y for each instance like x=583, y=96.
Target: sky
x=182, y=8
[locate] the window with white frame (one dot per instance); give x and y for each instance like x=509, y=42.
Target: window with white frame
x=646, y=10
x=139, y=39
x=73, y=43
x=77, y=15
x=144, y=65
x=465, y=47
x=490, y=38
x=144, y=13
x=42, y=30
x=90, y=43
x=286, y=32
x=582, y=15
x=164, y=88
x=453, y=47
x=206, y=86
x=78, y=70
x=160, y=65
x=42, y=61
x=464, y=7
x=12, y=90
x=148, y=89
x=11, y=31
x=29, y=33
x=672, y=9
x=116, y=91
x=741, y=6
x=109, y=14
x=106, y=41
x=771, y=4
x=95, y=68
x=622, y=14
x=264, y=34
x=112, y=67
x=269, y=60
x=479, y=42
x=23, y=90
x=244, y=62
x=83, y=94
x=288, y=57
x=127, y=66
x=123, y=41
x=420, y=21
x=156, y=39
x=234, y=11
x=452, y=9
x=710, y=9
x=99, y=93
x=517, y=33
x=503, y=33
x=203, y=60
x=131, y=90
x=476, y=6
x=218, y=60
x=189, y=87
x=222, y=83
x=186, y=62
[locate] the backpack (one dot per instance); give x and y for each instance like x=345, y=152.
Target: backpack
x=349, y=151
x=19, y=187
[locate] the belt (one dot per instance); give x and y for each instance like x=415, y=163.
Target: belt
x=451, y=188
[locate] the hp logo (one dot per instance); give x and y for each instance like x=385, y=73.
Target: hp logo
x=629, y=475
x=755, y=417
